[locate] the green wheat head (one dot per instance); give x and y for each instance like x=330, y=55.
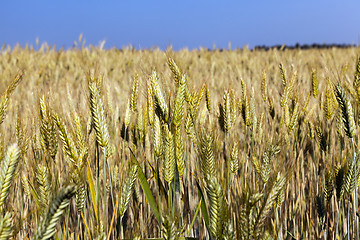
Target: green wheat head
x=170, y=229
x=217, y=208
x=98, y=114
x=207, y=161
x=5, y=226
x=47, y=227
x=44, y=184
x=47, y=129
x=346, y=110
x=8, y=168
x=127, y=190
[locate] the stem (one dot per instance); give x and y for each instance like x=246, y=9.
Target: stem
x=97, y=173
x=348, y=221
x=355, y=191
x=105, y=194
x=338, y=220
x=111, y=186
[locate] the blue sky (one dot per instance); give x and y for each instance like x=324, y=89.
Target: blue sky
x=192, y=24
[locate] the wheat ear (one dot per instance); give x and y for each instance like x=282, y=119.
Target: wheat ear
x=329, y=186
x=5, y=97
x=269, y=201
x=159, y=97
x=208, y=99
x=135, y=93
x=314, y=84
x=98, y=115
x=320, y=207
x=8, y=171
x=234, y=158
x=227, y=112
x=283, y=74
x=127, y=190
x=169, y=157
x=150, y=102
x=47, y=129
x=170, y=230
x=174, y=69
x=42, y=178
x=264, y=86
x=157, y=140
x=57, y=207
x=346, y=110
x=207, y=161
x=178, y=113
x=356, y=82
x=217, y=207
x=68, y=143
x=5, y=226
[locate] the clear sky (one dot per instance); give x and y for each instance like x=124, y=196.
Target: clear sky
x=192, y=24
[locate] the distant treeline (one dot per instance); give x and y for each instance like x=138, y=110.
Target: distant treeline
x=304, y=46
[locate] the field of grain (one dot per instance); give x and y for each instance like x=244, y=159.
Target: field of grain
x=140, y=144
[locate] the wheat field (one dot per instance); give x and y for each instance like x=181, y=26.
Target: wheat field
x=151, y=144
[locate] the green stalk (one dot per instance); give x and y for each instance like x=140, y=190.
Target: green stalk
x=195, y=215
